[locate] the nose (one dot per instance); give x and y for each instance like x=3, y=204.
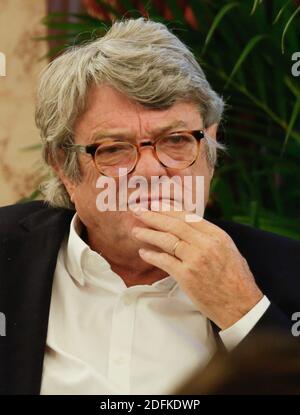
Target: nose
x=148, y=165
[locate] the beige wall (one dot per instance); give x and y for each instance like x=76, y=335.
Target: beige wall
x=19, y=22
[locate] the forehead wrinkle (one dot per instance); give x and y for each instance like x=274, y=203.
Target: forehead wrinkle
x=134, y=122
x=130, y=135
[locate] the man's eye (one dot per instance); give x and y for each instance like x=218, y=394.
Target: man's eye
x=177, y=139
x=111, y=149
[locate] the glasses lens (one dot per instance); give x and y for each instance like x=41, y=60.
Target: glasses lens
x=177, y=150
x=110, y=158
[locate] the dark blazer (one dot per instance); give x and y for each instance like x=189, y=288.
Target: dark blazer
x=30, y=238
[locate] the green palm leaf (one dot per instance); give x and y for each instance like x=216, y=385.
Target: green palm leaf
x=248, y=48
x=287, y=26
x=294, y=115
x=217, y=21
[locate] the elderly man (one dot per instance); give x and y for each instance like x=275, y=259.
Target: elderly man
x=130, y=301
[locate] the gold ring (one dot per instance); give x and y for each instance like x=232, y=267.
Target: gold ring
x=175, y=246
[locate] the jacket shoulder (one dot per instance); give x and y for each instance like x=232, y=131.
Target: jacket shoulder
x=273, y=259
x=26, y=207
x=18, y=210
x=248, y=237
x=13, y=215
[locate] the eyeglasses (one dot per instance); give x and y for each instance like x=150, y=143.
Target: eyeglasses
x=177, y=150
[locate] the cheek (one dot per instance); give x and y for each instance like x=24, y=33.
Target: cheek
x=86, y=191
x=201, y=168
x=89, y=173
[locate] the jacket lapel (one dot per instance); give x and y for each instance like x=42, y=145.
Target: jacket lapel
x=31, y=260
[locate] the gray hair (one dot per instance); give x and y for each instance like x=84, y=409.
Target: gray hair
x=139, y=58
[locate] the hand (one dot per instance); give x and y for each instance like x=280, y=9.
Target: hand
x=208, y=266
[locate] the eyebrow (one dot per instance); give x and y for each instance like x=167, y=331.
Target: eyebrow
x=128, y=135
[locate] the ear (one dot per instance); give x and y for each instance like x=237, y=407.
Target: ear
x=68, y=183
x=212, y=131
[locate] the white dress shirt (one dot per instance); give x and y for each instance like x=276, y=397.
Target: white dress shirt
x=107, y=338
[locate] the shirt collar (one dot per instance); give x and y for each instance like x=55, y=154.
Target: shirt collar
x=83, y=263
x=78, y=251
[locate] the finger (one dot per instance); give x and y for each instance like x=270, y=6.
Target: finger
x=165, y=241
x=176, y=226
x=162, y=260
x=173, y=225
x=201, y=224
